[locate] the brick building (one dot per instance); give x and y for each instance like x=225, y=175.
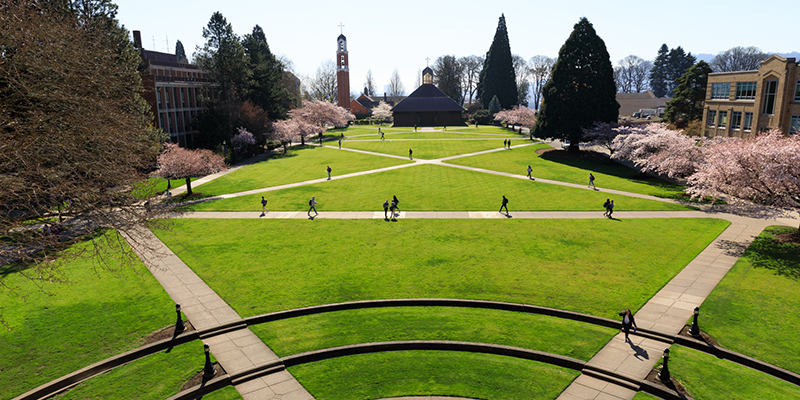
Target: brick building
x=362, y=106
x=743, y=102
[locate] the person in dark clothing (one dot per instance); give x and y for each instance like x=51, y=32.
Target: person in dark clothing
x=409, y=154
x=386, y=209
x=505, y=205
x=627, y=322
x=606, y=205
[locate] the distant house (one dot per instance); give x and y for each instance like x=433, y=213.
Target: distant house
x=427, y=106
x=740, y=103
x=639, y=106
x=362, y=106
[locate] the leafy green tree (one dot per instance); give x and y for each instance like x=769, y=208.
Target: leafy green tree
x=497, y=77
x=581, y=90
x=658, y=74
x=687, y=104
x=447, y=73
x=180, y=52
x=223, y=56
x=264, y=87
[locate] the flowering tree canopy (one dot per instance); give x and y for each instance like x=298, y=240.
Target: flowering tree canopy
x=603, y=134
x=323, y=115
x=382, y=111
x=243, y=141
x=178, y=163
x=654, y=147
x=287, y=131
x=764, y=170
x=517, y=116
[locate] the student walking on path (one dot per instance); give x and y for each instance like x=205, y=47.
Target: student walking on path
x=263, y=205
x=329, y=170
x=386, y=209
x=504, y=205
x=610, y=208
x=627, y=322
x=340, y=143
x=505, y=143
x=313, y=206
x=392, y=208
x=606, y=205
x=591, y=181
x=409, y=154
x=396, y=203
x=381, y=133
x=509, y=144
x=529, y=172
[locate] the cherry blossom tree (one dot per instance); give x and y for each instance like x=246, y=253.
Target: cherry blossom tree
x=285, y=132
x=178, y=163
x=603, y=134
x=321, y=115
x=656, y=148
x=521, y=116
x=243, y=141
x=764, y=170
x=382, y=111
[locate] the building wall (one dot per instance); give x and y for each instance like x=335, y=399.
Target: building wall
x=720, y=114
x=428, y=118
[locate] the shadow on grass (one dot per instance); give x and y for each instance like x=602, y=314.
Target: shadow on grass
x=592, y=161
x=783, y=258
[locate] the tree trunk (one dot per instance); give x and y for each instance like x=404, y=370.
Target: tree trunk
x=573, y=148
x=302, y=140
x=188, y=186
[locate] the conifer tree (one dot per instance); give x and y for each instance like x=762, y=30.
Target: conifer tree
x=581, y=90
x=658, y=74
x=690, y=93
x=497, y=77
x=494, y=106
x=180, y=52
x=264, y=87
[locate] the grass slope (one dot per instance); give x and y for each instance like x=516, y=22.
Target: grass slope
x=755, y=310
x=537, y=332
x=426, y=373
x=592, y=266
x=608, y=174
x=434, y=188
x=709, y=378
x=297, y=165
x=97, y=315
x=425, y=150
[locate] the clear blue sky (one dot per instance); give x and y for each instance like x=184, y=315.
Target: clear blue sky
x=385, y=35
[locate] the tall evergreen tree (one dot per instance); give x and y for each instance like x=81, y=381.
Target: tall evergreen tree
x=658, y=74
x=687, y=104
x=497, y=76
x=581, y=90
x=264, y=88
x=180, y=52
x=678, y=62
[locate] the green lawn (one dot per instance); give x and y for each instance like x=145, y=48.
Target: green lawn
x=447, y=135
x=426, y=150
x=644, y=396
x=156, y=376
x=298, y=164
x=755, y=310
x=530, y=331
x=608, y=174
x=434, y=188
x=425, y=373
x=261, y=266
x=97, y=315
x=710, y=378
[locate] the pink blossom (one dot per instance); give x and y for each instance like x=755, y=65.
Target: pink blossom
x=178, y=163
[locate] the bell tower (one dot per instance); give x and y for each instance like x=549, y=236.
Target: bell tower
x=342, y=72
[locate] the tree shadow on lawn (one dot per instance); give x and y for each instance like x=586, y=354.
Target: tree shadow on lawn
x=592, y=161
x=781, y=257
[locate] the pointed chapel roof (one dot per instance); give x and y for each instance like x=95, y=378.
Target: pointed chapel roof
x=427, y=98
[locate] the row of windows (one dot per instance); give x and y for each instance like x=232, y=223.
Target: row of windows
x=721, y=120
x=797, y=91
x=187, y=96
x=747, y=91
x=176, y=122
x=794, y=125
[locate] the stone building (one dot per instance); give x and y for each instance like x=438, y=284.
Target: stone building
x=744, y=102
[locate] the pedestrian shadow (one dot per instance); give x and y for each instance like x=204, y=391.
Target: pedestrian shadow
x=615, y=219
x=312, y=218
x=507, y=215
x=640, y=353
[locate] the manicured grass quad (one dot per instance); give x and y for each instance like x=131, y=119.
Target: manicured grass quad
x=425, y=150
x=434, y=188
x=298, y=164
x=67, y=326
x=591, y=266
x=754, y=310
x=448, y=135
x=401, y=373
x=610, y=175
x=707, y=377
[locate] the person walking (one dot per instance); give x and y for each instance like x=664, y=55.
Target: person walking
x=386, y=209
x=611, y=209
x=340, y=143
x=591, y=181
x=381, y=134
x=396, y=203
x=504, y=205
x=263, y=205
x=509, y=144
x=329, y=170
x=409, y=154
x=627, y=322
x=392, y=208
x=313, y=206
x=606, y=205
x=529, y=172
x=505, y=143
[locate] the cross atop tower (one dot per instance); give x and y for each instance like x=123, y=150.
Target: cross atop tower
x=426, y=61
x=341, y=30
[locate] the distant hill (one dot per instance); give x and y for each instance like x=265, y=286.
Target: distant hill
x=708, y=57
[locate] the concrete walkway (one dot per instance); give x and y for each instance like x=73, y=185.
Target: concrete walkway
x=237, y=351
x=666, y=312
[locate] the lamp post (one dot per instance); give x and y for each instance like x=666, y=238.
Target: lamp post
x=664, y=373
x=695, y=330
x=179, y=326
x=208, y=370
